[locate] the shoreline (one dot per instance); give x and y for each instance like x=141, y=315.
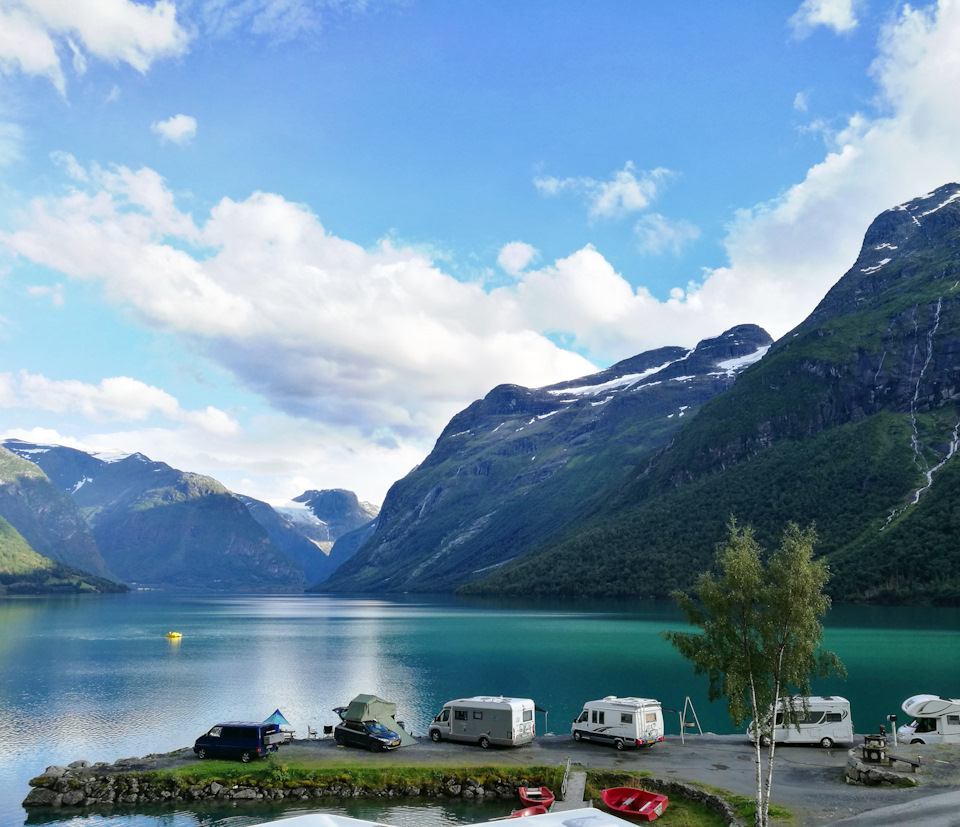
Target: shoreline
x=809, y=781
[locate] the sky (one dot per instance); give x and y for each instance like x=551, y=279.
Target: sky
x=283, y=242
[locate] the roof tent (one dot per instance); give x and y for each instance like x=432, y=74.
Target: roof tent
x=372, y=708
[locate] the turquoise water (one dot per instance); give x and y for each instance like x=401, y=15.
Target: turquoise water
x=95, y=678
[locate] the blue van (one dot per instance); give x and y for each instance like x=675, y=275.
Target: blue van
x=239, y=739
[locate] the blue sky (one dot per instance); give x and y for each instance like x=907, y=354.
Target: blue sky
x=282, y=242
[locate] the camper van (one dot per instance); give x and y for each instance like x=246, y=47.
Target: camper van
x=820, y=719
x=622, y=722
x=936, y=720
x=486, y=720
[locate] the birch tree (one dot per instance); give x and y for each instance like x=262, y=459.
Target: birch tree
x=760, y=635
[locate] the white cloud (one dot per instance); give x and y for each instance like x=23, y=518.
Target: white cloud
x=377, y=338
x=180, y=129
x=116, y=31
x=117, y=398
x=626, y=192
x=658, y=234
x=11, y=140
x=839, y=15
x=801, y=102
x=515, y=256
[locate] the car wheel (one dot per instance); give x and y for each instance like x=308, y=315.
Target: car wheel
x=577, y=736
x=484, y=742
x=917, y=741
x=245, y=757
x=201, y=753
x=435, y=736
x=376, y=746
x=619, y=743
x=826, y=743
x=339, y=740
x=764, y=740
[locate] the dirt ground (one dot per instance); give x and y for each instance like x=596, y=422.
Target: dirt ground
x=809, y=781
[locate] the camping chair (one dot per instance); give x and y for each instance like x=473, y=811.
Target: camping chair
x=311, y=732
x=327, y=730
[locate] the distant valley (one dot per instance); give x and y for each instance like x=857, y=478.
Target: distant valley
x=618, y=484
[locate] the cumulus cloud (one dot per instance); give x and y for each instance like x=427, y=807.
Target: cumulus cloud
x=515, y=256
x=115, y=31
x=55, y=293
x=839, y=15
x=180, y=129
x=117, y=398
x=626, y=192
x=377, y=338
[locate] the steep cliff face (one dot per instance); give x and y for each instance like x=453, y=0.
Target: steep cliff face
x=851, y=421
x=519, y=464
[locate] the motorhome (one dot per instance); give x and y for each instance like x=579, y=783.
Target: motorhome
x=819, y=719
x=936, y=720
x=622, y=722
x=486, y=720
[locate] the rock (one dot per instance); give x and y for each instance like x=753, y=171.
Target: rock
x=72, y=798
x=42, y=797
x=79, y=765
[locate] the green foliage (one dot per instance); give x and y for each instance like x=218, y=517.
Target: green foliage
x=680, y=812
x=760, y=631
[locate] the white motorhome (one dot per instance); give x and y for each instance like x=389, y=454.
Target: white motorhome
x=820, y=719
x=936, y=720
x=623, y=722
x=486, y=720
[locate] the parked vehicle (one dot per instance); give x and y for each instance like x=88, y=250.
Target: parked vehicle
x=936, y=720
x=622, y=722
x=486, y=720
x=239, y=739
x=370, y=735
x=820, y=719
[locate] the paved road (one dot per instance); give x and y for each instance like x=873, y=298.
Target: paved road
x=807, y=780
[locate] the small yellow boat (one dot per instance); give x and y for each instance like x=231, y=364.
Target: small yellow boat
x=174, y=635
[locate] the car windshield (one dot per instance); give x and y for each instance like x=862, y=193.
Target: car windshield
x=378, y=729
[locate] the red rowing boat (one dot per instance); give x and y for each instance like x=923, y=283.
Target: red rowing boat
x=635, y=804
x=538, y=810
x=531, y=796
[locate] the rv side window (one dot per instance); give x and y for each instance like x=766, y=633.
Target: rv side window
x=597, y=717
x=527, y=715
x=584, y=717
x=953, y=720
x=626, y=718
x=810, y=719
x=460, y=715
x=834, y=717
x=779, y=719
x=444, y=716
x=651, y=717
x=927, y=725
x=477, y=715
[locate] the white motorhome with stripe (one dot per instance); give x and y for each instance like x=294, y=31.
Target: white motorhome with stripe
x=936, y=720
x=622, y=722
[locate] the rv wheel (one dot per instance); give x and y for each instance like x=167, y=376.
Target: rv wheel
x=764, y=740
x=576, y=735
x=435, y=736
x=619, y=743
x=484, y=742
x=826, y=743
x=916, y=741
x=201, y=753
x=245, y=757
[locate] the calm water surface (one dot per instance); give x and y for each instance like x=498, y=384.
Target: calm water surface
x=95, y=678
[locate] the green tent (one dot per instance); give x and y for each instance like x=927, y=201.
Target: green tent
x=372, y=708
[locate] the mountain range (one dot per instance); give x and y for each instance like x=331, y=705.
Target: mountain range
x=618, y=484
x=130, y=520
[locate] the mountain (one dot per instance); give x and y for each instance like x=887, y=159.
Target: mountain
x=850, y=421
x=337, y=510
x=45, y=544
x=520, y=464
x=160, y=527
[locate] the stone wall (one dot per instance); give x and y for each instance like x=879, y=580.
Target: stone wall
x=874, y=775
x=80, y=785
x=692, y=793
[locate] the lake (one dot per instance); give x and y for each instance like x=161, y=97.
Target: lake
x=95, y=678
